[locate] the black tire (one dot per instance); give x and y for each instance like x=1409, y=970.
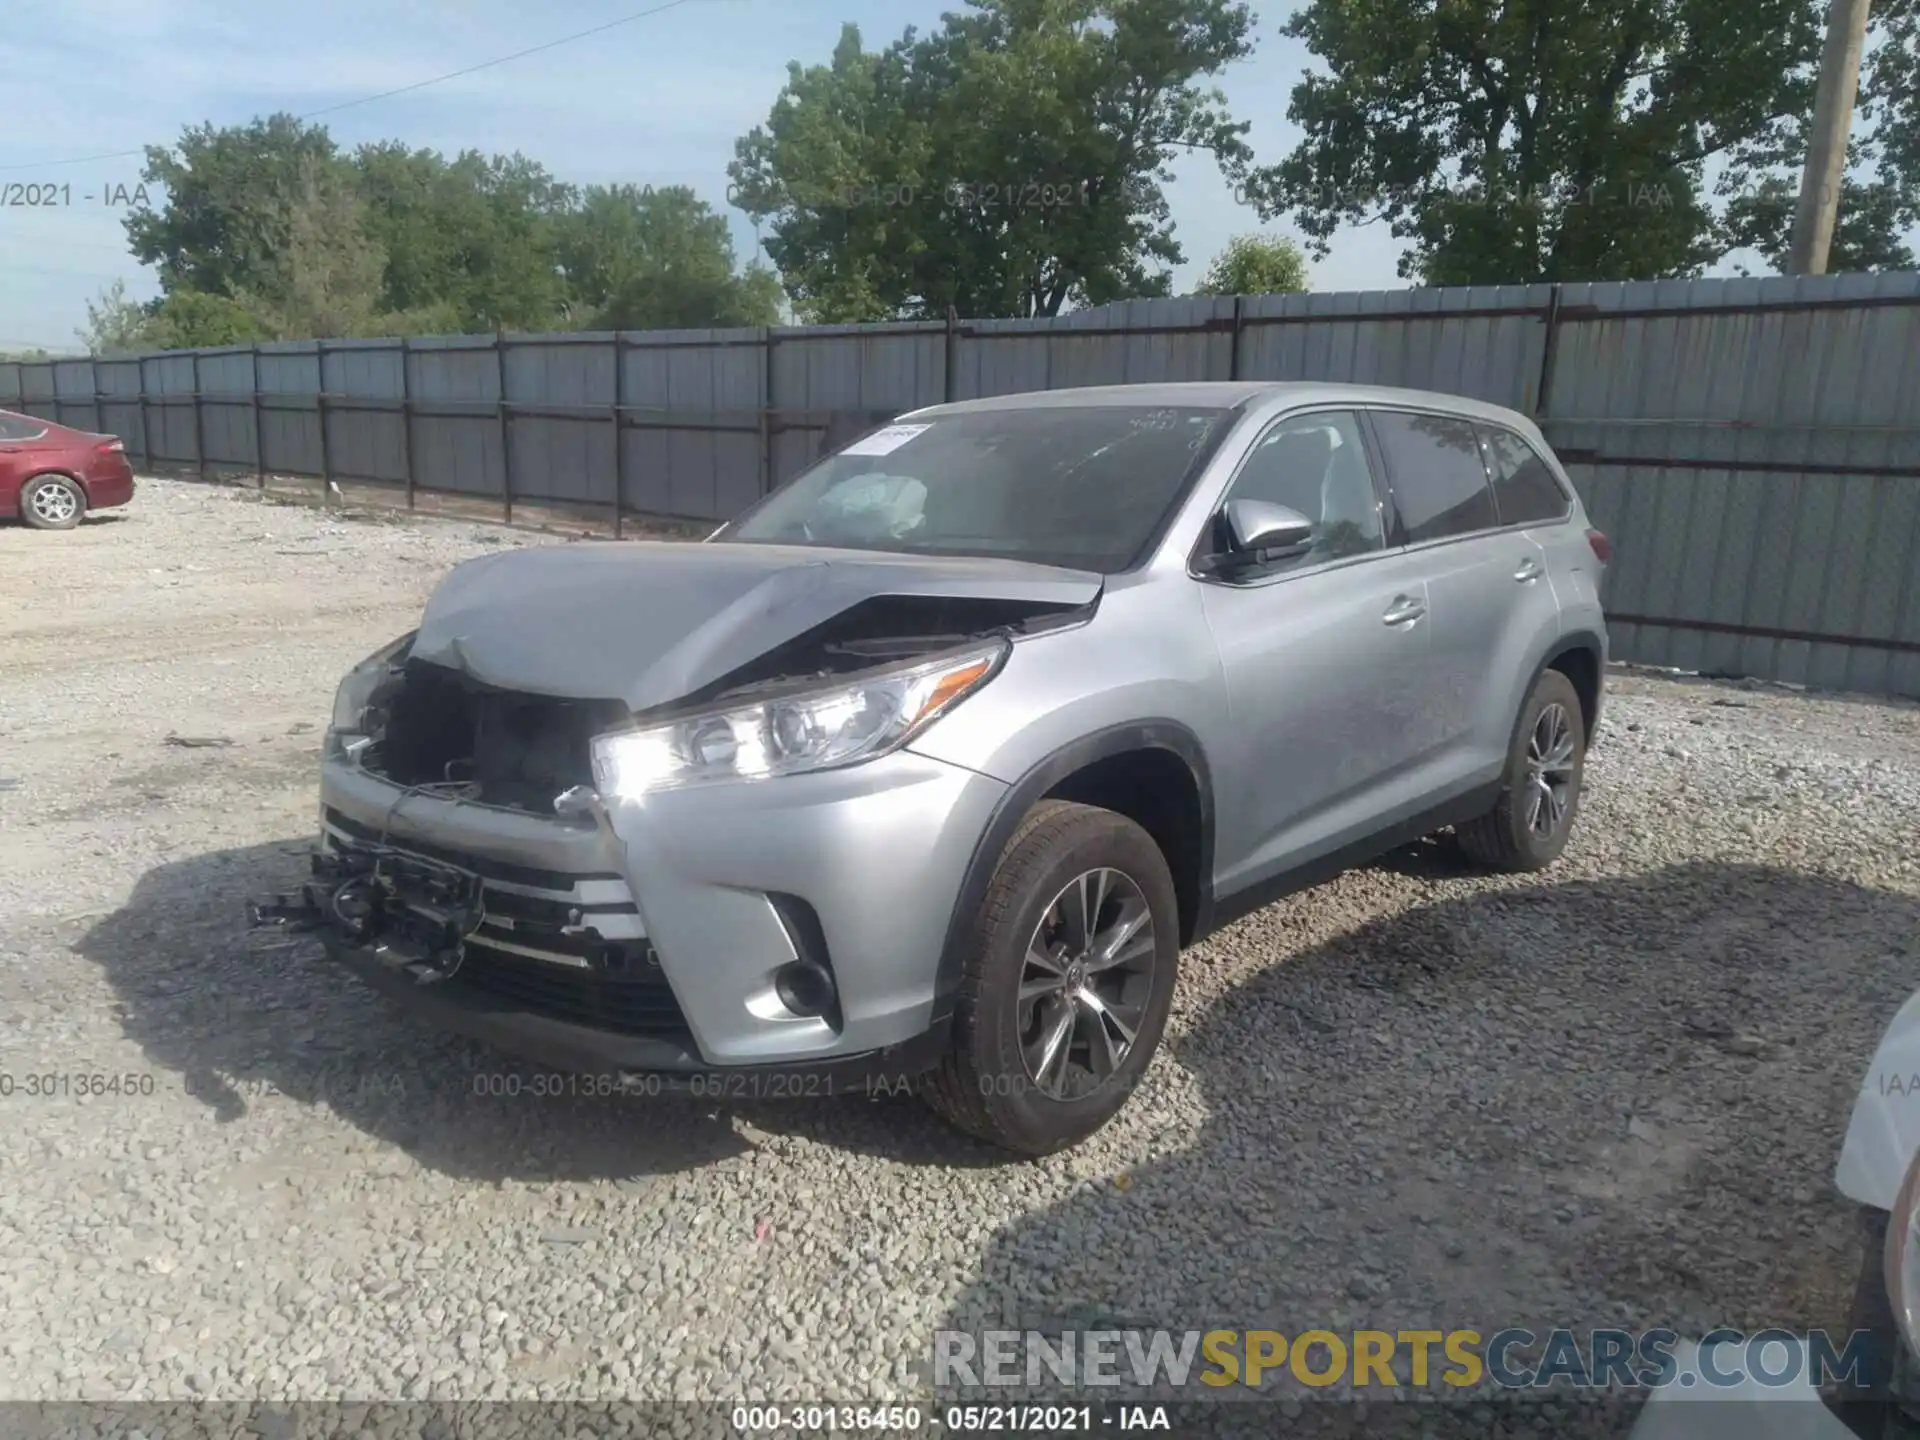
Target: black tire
x=34, y=516
x=985, y=1085
x=1505, y=837
x=1863, y=1407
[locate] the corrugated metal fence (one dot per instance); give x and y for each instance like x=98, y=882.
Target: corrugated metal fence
x=1752, y=445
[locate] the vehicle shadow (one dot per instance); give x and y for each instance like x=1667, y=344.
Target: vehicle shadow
x=1613, y=1102
x=242, y=1016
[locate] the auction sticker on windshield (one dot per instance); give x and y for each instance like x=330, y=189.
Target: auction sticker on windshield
x=885, y=442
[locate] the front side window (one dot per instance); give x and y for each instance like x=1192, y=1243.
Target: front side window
x=1316, y=464
x=1524, y=488
x=1081, y=486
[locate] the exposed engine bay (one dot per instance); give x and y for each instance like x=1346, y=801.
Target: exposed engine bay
x=496, y=747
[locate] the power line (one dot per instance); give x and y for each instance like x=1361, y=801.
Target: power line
x=399, y=90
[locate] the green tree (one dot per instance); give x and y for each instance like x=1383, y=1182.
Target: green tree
x=222, y=228
x=1519, y=140
x=117, y=324
x=468, y=240
x=1256, y=265
x=327, y=275
x=188, y=320
x=1009, y=163
x=1890, y=102
x=1866, y=235
x=637, y=258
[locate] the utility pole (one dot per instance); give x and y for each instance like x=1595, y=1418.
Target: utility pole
x=1826, y=168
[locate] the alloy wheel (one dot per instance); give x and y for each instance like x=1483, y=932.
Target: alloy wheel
x=54, y=503
x=1550, y=760
x=1084, y=983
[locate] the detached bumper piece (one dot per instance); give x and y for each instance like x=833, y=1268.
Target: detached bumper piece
x=430, y=934
x=414, y=914
x=434, y=935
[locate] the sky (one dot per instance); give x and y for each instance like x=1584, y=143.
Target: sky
x=658, y=101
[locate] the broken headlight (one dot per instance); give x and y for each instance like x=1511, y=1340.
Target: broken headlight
x=354, y=704
x=791, y=734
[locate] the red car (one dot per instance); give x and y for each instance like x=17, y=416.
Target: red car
x=51, y=475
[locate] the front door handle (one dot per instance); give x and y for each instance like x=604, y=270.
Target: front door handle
x=1404, y=610
x=1529, y=571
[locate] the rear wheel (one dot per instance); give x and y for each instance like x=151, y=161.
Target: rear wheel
x=52, y=502
x=1067, y=984
x=1528, y=826
x=1861, y=1400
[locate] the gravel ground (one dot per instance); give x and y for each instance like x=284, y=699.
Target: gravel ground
x=1413, y=1097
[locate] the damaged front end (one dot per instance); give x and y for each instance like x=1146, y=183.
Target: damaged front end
x=415, y=915
x=522, y=836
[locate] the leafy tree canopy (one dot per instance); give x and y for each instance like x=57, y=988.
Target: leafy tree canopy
x=269, y=231
x=1009, y=163
x=1519, y=140
x=1256, y=265
x=637, y=258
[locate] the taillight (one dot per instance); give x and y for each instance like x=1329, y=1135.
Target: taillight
x=1602, y=547
x=113, y=447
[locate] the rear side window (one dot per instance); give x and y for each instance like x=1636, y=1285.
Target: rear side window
x=1439, y=480
x=21, y=427
x=1524, y=488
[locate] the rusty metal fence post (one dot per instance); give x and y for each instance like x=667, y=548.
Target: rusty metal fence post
x=146, y=431
x=506, y=426
x=767, y=342
x=619, y=434
x=1543, y=387
x=950, y=389
x=406, y=415
x=259, y=427
x=199, y=423
x=320, y=410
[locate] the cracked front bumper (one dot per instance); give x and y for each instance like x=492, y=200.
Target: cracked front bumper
x=646, y=936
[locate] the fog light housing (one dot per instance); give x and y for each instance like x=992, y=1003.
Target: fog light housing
x=804, y=988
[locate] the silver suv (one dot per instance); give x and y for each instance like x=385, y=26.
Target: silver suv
x=926, y=768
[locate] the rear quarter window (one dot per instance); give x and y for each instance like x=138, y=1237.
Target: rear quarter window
x=1525, y=489
x=21, y=427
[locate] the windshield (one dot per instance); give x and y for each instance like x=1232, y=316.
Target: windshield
x=1080, y=486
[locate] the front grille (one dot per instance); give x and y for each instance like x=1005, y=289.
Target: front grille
x=643, y=1006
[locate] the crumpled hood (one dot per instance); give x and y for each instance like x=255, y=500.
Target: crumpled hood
x=646, y=623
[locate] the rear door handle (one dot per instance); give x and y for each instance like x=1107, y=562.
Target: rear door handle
x=1404, y=610
x=1530, y=570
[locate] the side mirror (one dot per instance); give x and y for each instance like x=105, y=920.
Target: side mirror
x=1258, y=529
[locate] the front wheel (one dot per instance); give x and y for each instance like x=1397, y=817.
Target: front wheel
x=1861, y=1400
x=1528, y=826
x=1067, y=982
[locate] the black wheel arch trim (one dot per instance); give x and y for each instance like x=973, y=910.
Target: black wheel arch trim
x=1160, y=734
x=1571, y=641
